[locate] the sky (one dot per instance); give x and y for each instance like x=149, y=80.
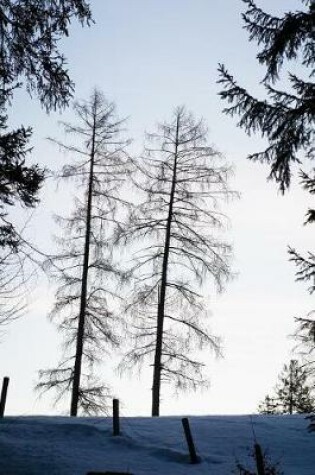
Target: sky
x=150, y=56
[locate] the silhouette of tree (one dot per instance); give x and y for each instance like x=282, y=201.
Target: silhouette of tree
x=29, y=35
x=292, y=393
x=305, y=336
x=182, y=181
x=285, y=118
x=85, y=269
x=306, y=265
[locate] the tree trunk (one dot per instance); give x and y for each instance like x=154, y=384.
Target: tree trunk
x=291, y=403
x=157, y=367
x=81, y=323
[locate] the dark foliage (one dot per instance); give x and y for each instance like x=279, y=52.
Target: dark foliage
x=30, y=32
x=305, y=332
x=29, y=35
x=306, y=264
x=18, y=182
x=285, y=118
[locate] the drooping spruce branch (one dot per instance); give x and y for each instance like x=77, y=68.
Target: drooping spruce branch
x=284, y=118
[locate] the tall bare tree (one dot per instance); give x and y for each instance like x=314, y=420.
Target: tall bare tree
x=182, y=184
x=85, y=270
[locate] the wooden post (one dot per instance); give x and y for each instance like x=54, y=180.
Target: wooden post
x=116, y=428
x=190, y=442
x=4, y=392
x=259, y=460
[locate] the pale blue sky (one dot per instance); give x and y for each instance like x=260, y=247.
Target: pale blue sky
x=150, y=56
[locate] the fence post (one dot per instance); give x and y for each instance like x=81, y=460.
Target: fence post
x=259, y=460
x=4, y=392
x=116, y=428
x=190, y=441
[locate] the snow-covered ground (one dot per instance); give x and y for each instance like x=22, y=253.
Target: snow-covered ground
x=75, y=446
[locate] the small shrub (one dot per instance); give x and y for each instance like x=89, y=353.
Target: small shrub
x=270, y=467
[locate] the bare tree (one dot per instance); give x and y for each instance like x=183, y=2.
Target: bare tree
x=85, y=269
x=182, y=184
x=20, y=262
x=12, y=286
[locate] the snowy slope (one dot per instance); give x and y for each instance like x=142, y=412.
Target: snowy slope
x=74, y=446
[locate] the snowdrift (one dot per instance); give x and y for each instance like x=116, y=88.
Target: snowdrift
x=75, y=446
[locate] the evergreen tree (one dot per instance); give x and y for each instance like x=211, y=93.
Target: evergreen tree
x=29, y=35
x=306, y=271
x=87, y=276
x=285, y=118
x=182, y=180
x=305, y=336
x=292, y=393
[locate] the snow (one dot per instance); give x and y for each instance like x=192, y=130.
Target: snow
x=74, y=446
